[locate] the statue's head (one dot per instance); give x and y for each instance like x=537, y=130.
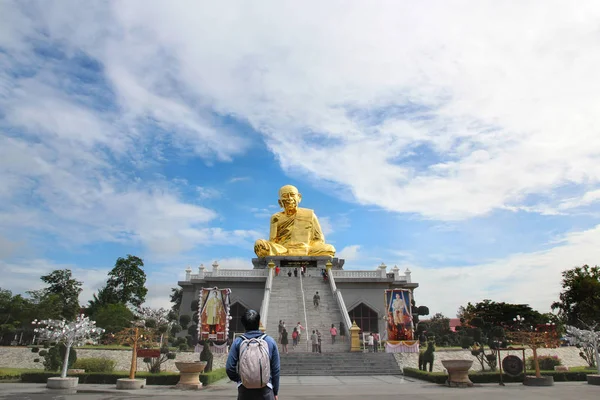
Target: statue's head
x=289, y=198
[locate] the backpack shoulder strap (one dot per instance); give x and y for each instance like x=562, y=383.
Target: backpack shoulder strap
x=243, y=337
x=263, y=336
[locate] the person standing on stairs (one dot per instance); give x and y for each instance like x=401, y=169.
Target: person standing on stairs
x=280, y=329
x=299, y=328
x=295, y=272
x=316, y=299
x=295, y=337
x=342, y=332
x=314, y=339
x=284, y=341
x=333, y=332
x=319, y=341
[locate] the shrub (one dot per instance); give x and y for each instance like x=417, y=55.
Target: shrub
x=494, y=377
x=183, y=346
x=95, y=364
x=54, y=356
x=466, y=342
x=547, y=363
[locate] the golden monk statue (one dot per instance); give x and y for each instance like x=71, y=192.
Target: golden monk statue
x=294, y=231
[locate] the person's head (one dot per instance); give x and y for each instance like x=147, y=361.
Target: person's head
x=284, y=330
x=289, y=197
x=332, y=325
x=295, y=329
x=298, y=322
x=251, y=320
x=317, y=292
x=280, y=321
x=398, y=295
x=313, y=331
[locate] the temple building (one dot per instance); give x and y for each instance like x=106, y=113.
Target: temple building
x=293, y=266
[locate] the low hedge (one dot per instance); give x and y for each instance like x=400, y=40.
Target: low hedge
x=164, y=378
x=494, y=377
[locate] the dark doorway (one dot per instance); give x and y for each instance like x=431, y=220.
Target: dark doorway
x=235, y=324
x=366, y=318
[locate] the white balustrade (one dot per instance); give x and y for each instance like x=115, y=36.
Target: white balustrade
x=230, y=273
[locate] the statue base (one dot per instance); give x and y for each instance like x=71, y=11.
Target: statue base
x=298, y=261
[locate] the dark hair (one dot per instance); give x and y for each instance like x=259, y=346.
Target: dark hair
x=251, y=320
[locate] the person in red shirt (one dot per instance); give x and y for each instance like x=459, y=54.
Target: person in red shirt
x=333, y=332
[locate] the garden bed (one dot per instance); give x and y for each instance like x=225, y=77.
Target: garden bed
x=494, y=377
x=163, y=378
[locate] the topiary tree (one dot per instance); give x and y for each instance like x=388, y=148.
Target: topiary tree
x=207, y=356
x=154, y=363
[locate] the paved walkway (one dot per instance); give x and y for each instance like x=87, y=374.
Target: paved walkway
x=329, y=387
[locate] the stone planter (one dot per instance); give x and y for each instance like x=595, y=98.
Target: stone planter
x=189, y=374
x=62, y=383
x=458, y=372
x=593, y=379
x=535, y=381
x=130, y=384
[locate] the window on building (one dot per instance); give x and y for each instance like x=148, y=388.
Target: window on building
x=235, y=324
x=366, y=318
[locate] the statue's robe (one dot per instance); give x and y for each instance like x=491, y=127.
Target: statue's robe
x=299, y=234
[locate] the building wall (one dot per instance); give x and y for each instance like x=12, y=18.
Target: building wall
x=248, y=293
x=369, y=293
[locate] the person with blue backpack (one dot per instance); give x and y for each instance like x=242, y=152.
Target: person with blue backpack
x=253, y=361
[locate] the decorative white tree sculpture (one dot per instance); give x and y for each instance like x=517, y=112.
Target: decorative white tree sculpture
x=587, y=338
x=69, y=333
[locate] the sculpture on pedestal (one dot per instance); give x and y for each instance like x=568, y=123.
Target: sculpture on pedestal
x=294, y=231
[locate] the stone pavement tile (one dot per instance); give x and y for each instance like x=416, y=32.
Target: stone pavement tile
x=390, y=379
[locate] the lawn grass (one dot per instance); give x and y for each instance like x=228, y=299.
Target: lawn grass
x=14, y=374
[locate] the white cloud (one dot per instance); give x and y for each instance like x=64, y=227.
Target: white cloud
x=208, y=193
x=24, y=275
x=502, y=98
x=349, y=253
x=326, y=226
x=505, y=97
x=529, y=278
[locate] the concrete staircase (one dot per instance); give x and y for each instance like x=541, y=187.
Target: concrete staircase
x=327, y=313
x=330, y=364
x=286, y=304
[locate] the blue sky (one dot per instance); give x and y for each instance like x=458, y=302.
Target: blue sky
x=467, y=153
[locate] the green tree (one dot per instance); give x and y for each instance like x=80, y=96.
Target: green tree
x=176, y=297
x=500, y=314
x=14, y=315
x=62, y=284
x=439, y=326
x=127, y=280
x=125, y=284
x=44, y=305
x=114, y=317
x=579, y=302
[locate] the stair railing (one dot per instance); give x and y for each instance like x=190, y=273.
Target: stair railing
x=340, y=300
x=264, y=309
x=305, y=315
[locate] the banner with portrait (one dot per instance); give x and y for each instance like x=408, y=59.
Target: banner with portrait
x=213, y=314
x=399, y=315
